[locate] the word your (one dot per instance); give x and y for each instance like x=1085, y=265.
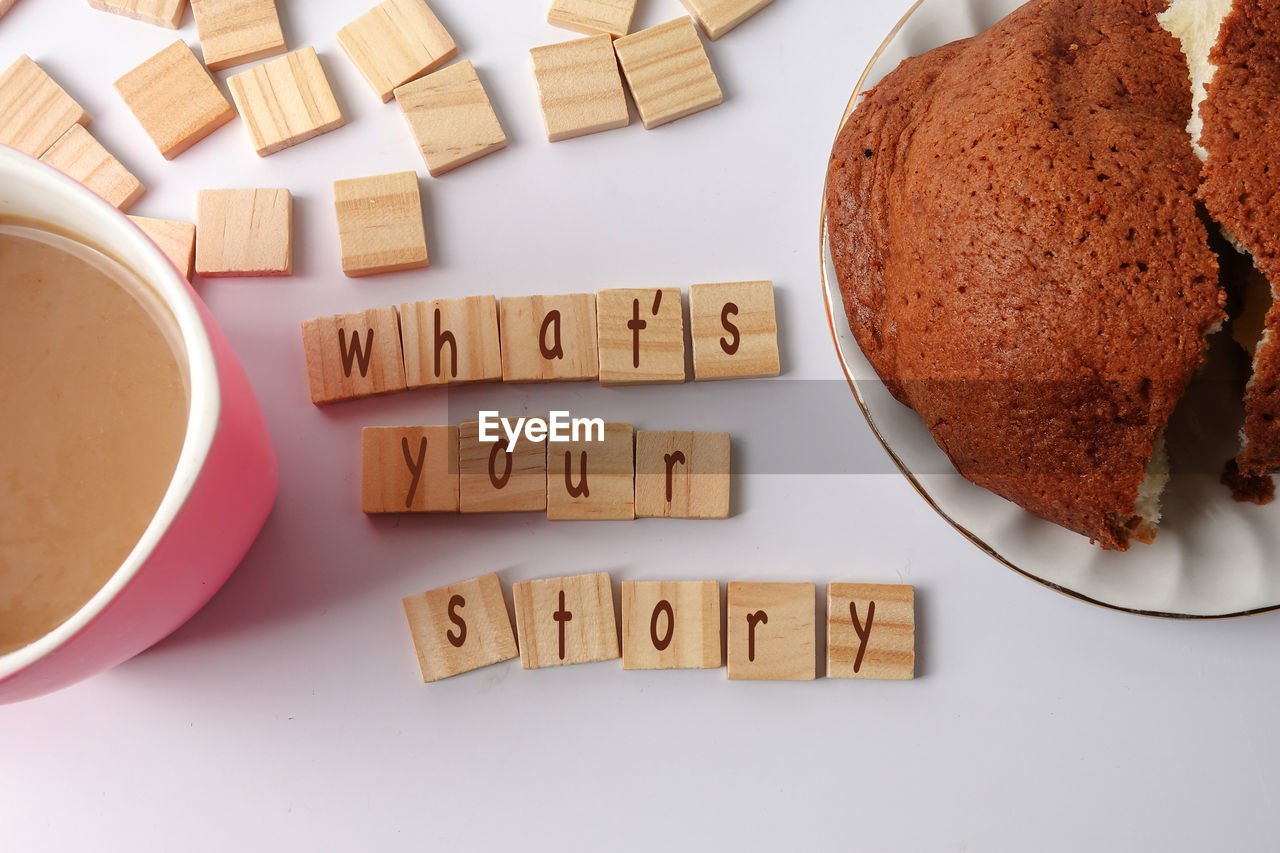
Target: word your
x=560, y=427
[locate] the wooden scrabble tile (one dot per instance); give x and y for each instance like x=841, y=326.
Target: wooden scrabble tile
x=734, y=331
x=78, y=155
x=566, y=620
x=593, y=480
x=450, y=117
x=5, y=6
x=162, y=13
x=871, y=631
x=285, y=101
x=353, y=355
x=641, y=336
x=670, y=625
x=493, y=480
x=176, y=239
x=612, y=17
x=579, y=87
x=460, y=627
x=772, y=631
x=244, y=232
x=174, y=99
x=668, y=72
x=34, y=111
x=409, y=469
x=682, y=474
x=395, y=42
x=549, y=338
x=451, y=341
x=380, y=224
x=233, y=32
x=717, y=17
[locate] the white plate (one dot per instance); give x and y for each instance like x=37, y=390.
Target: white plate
x=1213, y=556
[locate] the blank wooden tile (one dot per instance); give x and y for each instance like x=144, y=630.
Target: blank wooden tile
x=244, y=232
x=162, y=13
x=734, y=331
x=34, y=111
x=612, y=17
x=493, y=480
x=353, y=355
x=641, y=336
x=549, y=338
x=395, y=42
x=174, y=99
x=579, y=87
x=380, y=224
x=566, y=620
x=285, y=101
x=5, y=6
x=682, y=474
x=451, y=341
x=409, y=469
x=176, y=239
x=593, y=480
x=772, y=631
x=450, y=117
x=882, y=642
x=668, y=72
x=233, y=32
x=670, y=625
x=78, y=155
x=717, y=17
x=460, y=627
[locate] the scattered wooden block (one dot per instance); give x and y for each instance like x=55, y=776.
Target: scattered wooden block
x=611, y=17
x=668, y=72
x=176, y=239
x=450, y=117
x=78, y=155
x=380, y=224
x=717, y=17
x=566, y=620
x=451, y=341
x=682, y=474
x=771, y=631
x=579, y=87
x=34, y=111
x=549, y=338
x=353, y=355
x=233, y=32
x=871, y=631
x=593, y=480
x=734, y=330
x=244, y=232
x=409, y=469
x=285, y=101
x=162, y=13
x=493, y=480
x=395, y=42
x=460, y=627
x=670, y=625
x=641, y=336
x=174, y=99
x=5, y=6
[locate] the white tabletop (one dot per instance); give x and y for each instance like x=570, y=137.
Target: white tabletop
x=289, y=713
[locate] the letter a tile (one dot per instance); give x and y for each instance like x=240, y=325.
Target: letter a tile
x=670, y=625
x=871, y=631
x=409, y=469
x=772, y=631
x=549, y=338
x=566, y=620
x=592, y=480
x=460, y=627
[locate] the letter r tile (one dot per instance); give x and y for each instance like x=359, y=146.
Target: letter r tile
x=871, y=631
x=409, y=469
x=460, y=627
x=772, y=631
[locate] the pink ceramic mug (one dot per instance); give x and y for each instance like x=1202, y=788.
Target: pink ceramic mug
x=222, y=489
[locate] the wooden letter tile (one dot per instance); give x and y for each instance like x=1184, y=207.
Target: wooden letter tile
x=670, y=625
x=353, y=355
x=641, y=334
x=668, y=72
x=285, y=101
x=395, y=42
x=717, y=17
x=871, y=631
x=380, y=224
x=78, y=155
x=579, y=87
x=244, y=232
x=460, y=627
x=176, y=239
x=611, y=17
x=772, y=631
x=593, y=480
x=450, y=117
x=493, y=480
x=409, y=469
x=735, y=334
x=5, y=6
x=682, y=474
x=162, y=13
x=549, y=338
x=34, y=111
x=451, y=341
x=233, y=32
x=174, y=99
x=566, y=620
